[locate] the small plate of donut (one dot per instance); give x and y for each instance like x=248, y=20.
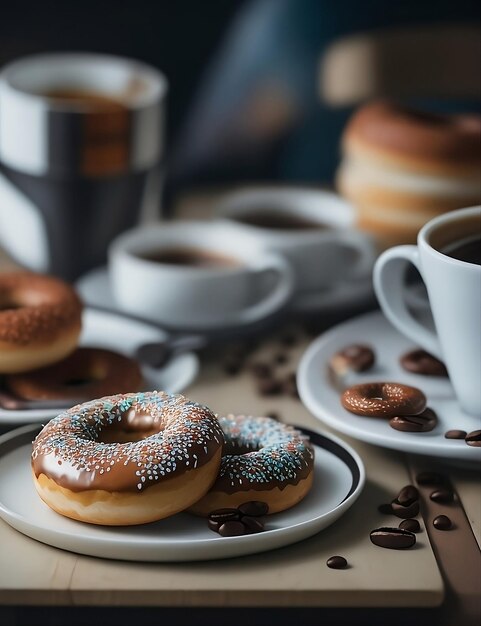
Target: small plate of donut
x=337, y=475
x=115, y=337
x=364, y=367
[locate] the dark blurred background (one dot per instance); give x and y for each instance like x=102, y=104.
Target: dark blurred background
x=244, y=100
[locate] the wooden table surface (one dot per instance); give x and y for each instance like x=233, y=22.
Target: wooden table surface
x=32, y=573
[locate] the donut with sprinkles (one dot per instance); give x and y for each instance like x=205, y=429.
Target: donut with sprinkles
x=127, y=459
x=263, y=460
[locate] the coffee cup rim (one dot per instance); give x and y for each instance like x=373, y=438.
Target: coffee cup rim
x=427, y=230
x=131, y=244
x=290, y=199
x=155, y=80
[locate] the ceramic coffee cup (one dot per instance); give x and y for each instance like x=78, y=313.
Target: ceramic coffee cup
x=80, y=148
x=196, y=275
x=448, y=257
x=312, y=229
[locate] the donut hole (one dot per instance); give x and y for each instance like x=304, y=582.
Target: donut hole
x=7, y=304
x=134, y=426
x=79, y=382
x=235, y=448
x=84, y=374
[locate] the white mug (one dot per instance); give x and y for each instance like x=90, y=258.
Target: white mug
x=75, y=173
x=247, y=284
x=320, y=256
x=454, y=291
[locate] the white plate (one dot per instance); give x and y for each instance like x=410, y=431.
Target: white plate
x=95, y=290
x=338, y=481
x=321, y=397
x=107, y=330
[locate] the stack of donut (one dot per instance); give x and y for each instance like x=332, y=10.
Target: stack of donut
x=40, y=324
x=140, y=457
x=401, y=167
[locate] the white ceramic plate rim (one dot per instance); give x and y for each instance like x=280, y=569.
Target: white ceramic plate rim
x=395, y=440
x=228, y=547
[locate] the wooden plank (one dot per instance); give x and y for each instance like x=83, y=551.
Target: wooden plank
x=457, y=551
x=468, y=487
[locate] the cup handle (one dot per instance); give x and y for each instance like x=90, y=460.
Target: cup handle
x=388, y=285
x=274, y=300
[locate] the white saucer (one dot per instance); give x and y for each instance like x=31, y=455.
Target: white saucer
x=320, y=395
x=94, y=288
x=107, y=330
x=338, y=481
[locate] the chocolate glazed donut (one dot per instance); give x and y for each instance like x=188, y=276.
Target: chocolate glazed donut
x=383, y=400
x=127, y=459
x=86, y=374
x=40, y=321
x=263, y=460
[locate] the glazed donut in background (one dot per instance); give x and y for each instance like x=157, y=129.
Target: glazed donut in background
x=40, y=321
x=401, y=168
x=383, y=400
x=127, y=459
x=86, y=374
x=263, y=460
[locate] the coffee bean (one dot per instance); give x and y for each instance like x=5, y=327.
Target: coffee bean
x=290, y=386
x=355, y=358
x=252, y=524
x=269, y=387
x=213, y=525
x=408, y=495
x=430, y=478
x=261, y=370
x=410, y=524
x=224, y=515
x=254, y=508
x=393, y=538
x=385, y=509
x=443, y=496
x=281, y=358
x=422, y=423
x=232, y=529
x=455, y=434
x=232, y=368
x=336, y=562
x=442, y=522
x=421, y=362
x=288, y=340
x=473, y=438
x=274, y=416
x=405, y=511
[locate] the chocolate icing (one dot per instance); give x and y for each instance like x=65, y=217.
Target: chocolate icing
x=165, y=436
x=37, y=308
x=262, y=454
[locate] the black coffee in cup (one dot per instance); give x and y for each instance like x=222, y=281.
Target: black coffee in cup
x=467, y=250
x=275, y=220
x=191, y=257
x=460, y=240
